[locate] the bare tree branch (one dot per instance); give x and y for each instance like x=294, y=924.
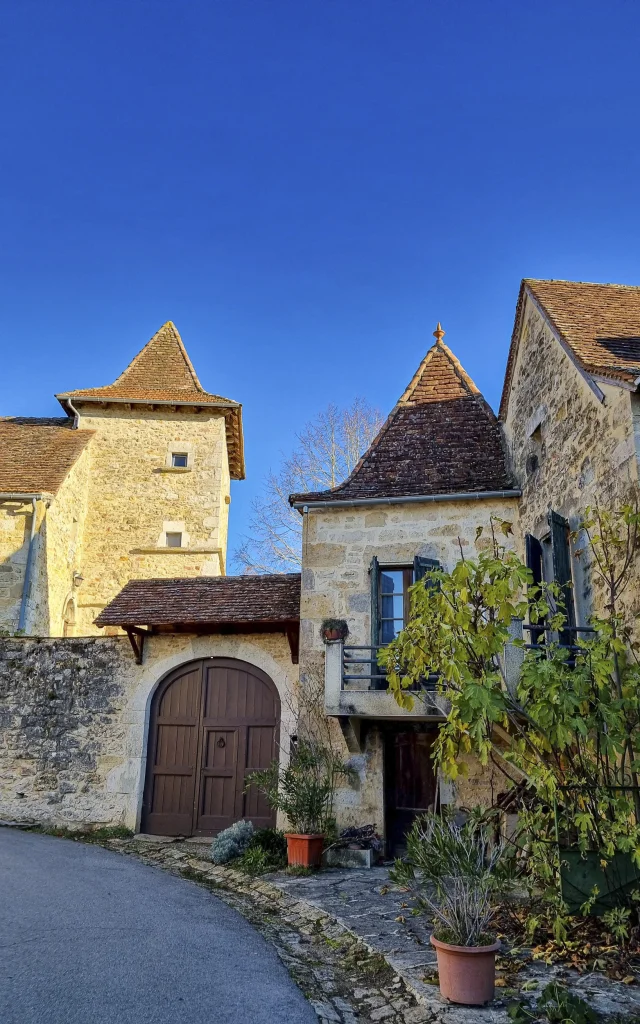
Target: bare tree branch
x=327, y=450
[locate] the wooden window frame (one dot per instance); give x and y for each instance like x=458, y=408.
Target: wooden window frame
x=407, y=581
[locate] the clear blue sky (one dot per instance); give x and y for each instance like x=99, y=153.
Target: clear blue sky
x=305, y=187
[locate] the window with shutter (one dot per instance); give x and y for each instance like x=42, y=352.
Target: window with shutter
x=561, y=561
x=390, y=603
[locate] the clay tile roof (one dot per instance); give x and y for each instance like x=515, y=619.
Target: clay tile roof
x=37, y=454
x=600, y=323
x=206, y=599
x=441, y=438
x=162, y=373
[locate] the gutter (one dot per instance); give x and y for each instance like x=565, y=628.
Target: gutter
x=146, y=401
x=304, y=506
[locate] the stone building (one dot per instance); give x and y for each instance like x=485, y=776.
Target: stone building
x=159, y=727
x=133, y=482
x=570, y=412
x=436, y=471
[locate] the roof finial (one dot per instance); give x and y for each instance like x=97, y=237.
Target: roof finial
x=439, y=333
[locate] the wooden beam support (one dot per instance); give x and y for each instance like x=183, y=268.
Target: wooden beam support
x=293, y=636
x=136, y=639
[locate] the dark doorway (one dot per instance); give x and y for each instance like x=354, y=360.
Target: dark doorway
x=410, y=780
x=212, y=722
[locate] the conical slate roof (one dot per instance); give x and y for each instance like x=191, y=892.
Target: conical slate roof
x=162, y=374
x=441, y=438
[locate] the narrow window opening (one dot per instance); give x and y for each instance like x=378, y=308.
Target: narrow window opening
x=179, y=460
x=174, y=540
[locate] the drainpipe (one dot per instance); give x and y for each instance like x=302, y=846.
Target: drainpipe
x=76, y=414
x=29, y=567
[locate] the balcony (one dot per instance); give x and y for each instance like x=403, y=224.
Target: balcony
x=356, y=687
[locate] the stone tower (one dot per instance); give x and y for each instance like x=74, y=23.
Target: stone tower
x=156, y=500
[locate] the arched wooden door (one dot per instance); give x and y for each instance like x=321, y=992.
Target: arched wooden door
x=212, y=722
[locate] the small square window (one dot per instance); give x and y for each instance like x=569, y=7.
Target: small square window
x=174, y=540
x=179, y=460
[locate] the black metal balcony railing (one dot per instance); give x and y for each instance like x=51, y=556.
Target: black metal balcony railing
x=541, y=636
x=360, y=665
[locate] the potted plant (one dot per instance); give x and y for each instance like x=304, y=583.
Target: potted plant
x=304, y=791
x=465, y=947
x=454, y=872
x=334, y=629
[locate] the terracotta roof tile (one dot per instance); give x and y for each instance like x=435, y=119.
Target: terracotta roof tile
x=37, y=454
x=163, y=372
x=441, y=438
x=206, y=599
x=600, y=323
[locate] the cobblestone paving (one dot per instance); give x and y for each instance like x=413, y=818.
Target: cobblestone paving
x=350, y=942
x=367, y=903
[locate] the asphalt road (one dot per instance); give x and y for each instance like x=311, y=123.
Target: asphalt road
x=88, y=936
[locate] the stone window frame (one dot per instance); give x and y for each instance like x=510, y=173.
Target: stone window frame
x=169, y=527
x=179, y=448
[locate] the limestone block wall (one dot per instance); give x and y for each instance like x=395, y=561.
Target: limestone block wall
x=568, y=448
x=74, y=717
x=338, y=545
x=135, y=498
x=15, y=529
x=58, y=553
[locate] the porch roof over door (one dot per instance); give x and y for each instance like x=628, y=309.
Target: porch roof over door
x=210, y=604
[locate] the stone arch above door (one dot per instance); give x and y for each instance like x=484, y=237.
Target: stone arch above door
x=212, y=722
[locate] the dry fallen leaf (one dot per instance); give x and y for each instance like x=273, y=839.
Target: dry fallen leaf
x=629, y=979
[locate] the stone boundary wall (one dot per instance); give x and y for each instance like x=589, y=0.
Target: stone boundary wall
x=60, y=727
x=74, y=715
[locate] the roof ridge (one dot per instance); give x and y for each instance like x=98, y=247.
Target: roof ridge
x=456, y=366
x=589, y=284
x=167, y=328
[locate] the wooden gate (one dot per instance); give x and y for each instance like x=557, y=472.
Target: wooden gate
x=410, y=781
x=212, y=722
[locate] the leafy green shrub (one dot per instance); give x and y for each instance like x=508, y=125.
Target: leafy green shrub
x=267, y=851
x=272, y=842
x=232, y=842
x=556, y=1005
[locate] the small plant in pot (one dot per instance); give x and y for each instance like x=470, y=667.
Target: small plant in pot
x=454, y=872
x=304, y=791
x=334, y=629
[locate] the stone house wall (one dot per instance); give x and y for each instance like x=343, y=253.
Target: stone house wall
x=583, y=444
x=135, y=497
x=15, y=530
x=57, y=552
x=338, y=545
x=74, y=717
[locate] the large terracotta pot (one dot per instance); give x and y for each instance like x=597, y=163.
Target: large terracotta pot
x=467, y=974
x=304, y=851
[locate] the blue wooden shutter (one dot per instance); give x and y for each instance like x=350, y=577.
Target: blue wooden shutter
x=374, y=573
x=561, y=558
x=422, y=565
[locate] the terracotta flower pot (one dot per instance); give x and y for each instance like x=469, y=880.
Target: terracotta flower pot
x=332, y=634
x=467, y=974
x=304, y=851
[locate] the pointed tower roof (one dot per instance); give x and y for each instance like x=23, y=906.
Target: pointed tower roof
x=162, y=374
x=441, y=438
